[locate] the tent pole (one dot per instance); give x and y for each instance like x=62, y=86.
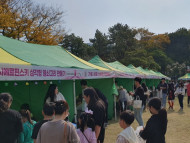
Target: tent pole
x=74, y=94
x=115, y=102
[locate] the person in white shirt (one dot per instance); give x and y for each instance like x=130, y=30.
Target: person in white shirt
x=128, y=134
x=53, y=94
x=180, y=92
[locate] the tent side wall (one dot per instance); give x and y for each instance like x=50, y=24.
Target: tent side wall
x=105, y=86
x=126, y=83
x=34, y=94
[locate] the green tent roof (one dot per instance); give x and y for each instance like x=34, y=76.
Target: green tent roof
x=185, y=77
x=43, y=55
x=119, y=66
x=99, y=62
x=131, y=66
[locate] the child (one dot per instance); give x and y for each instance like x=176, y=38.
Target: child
x=48, y=113
x=128, y=134
x=156, y=126
x=28, y=125
x=86, y=132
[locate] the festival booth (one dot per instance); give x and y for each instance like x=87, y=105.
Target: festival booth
x=185, y=77
x=27, y=70
x=126, y=81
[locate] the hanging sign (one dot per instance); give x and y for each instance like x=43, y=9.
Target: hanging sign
x=29, y=72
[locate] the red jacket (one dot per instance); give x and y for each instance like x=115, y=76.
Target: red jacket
x=188, y=89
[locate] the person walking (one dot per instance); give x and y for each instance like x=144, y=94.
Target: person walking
x=171, y=95
x=163, y=87
x=10, y=120
x=58, y=130
x=139, y=93
x=96, y=105
x=180, y=92
x=159, y=91
x=155, y=129
x=146, y=94
x=188, y=93
x=122, y=99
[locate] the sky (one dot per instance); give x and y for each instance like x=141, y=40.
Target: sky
x=83, y=17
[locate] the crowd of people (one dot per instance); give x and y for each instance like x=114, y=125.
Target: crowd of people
x=18, y=127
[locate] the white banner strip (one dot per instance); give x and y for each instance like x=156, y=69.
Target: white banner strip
x=29, y=72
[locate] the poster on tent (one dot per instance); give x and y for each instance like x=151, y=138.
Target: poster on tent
x=29, y=72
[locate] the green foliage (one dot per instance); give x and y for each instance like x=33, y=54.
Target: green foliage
x=102, y=45
x=122, y=37
x=179, y=48
x=76, y=46
x=140, y=57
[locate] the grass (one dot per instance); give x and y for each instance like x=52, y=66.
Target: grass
x=178, y=129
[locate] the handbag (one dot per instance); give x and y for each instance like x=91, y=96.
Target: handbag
x=137, y=103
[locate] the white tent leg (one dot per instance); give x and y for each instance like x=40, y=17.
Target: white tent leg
x=74, y=94
x=115, y=102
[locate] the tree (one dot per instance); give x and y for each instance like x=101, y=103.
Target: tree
x=32, y=23
x=155, y=45
x=140, y=57
x=161, y=59
x=179, y=48
x=102, y=45
x=175, y=70
x=76, y=46
x=123, y=39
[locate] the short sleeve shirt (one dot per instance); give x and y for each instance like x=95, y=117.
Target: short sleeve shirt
x=99, y=115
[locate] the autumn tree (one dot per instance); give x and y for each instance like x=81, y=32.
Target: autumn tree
x=30, y=22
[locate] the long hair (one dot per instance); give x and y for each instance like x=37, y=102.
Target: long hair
x=181, y=84
x=5, y=99
x=50, y=93
x=170, y=87
x=26, y=114
x=87, y=120
x=144, y=87
x=156, y=104
x=93, y=96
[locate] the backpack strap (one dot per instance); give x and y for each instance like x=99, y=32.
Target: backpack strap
x=85, y=137
x=65, y=132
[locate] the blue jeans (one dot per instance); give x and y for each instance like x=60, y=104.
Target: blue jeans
x=138, y=115
x=164, y=96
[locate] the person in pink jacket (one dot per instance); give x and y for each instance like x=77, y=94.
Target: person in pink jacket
x=86, y=132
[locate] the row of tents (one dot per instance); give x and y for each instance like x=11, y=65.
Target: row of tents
x=27, y=70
